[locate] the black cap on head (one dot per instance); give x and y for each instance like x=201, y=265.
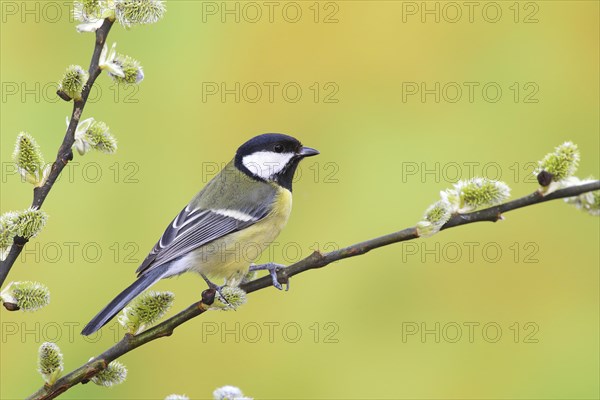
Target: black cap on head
x=275, y=142
x=272, y=157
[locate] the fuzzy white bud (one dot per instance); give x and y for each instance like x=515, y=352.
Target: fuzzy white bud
x=230, y=298
x=29, y=160
x=435, y=217
x=229, y=393
x=145, y=310
x=138, y=12
x=114, y=374
x=50, y=362
x=25, y=296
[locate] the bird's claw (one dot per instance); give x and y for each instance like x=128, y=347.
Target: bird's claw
x=215, y=287
x=272, y=268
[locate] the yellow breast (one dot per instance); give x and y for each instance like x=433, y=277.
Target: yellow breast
x=231, y=256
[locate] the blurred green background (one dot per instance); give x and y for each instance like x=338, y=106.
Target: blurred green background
x=523, y=294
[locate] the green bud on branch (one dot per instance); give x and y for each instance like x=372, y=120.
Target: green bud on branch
x=93, y=13
x=229, y=393
x=464, y=197
x=435, y=217
x=30, y=222
x=121, y=68
x=137, y=12
x=7, y=232
x=589, y=201
x=73, y=82
x=476, y=192
x=87, y=10
x=114, y=374
x=26, y=224
x=556, y=166
x=25, y=296
x=230, y=298
x=145, y=310
x=92, y=134
x=133, y=72
x=50, y=362
x=29, y=160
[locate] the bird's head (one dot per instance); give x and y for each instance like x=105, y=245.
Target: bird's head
x=272, y=157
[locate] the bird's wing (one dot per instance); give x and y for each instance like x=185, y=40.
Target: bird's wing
x=195, y=227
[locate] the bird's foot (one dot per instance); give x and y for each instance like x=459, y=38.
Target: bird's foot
x=215, y=287
x=272, y=268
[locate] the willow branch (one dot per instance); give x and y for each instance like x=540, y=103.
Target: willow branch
x=65, y=152
x=315, y=260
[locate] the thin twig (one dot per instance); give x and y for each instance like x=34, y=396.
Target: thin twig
x=315, y=260
x=65, y=152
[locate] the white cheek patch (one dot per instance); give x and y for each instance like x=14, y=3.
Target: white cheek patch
x=266, y=164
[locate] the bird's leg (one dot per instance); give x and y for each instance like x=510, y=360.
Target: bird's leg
x=272, y=268
x=214, y=286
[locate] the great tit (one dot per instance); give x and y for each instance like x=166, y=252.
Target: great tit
x=227, y=225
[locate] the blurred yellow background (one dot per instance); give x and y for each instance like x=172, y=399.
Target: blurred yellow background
x=400, y=106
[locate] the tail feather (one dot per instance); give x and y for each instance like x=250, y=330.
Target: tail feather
x=119, y=302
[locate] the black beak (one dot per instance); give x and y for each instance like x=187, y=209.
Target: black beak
x=308, y=152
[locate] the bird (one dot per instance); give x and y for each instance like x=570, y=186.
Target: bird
x=227, y=225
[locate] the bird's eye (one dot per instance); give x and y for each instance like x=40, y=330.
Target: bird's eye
x=278, y=148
